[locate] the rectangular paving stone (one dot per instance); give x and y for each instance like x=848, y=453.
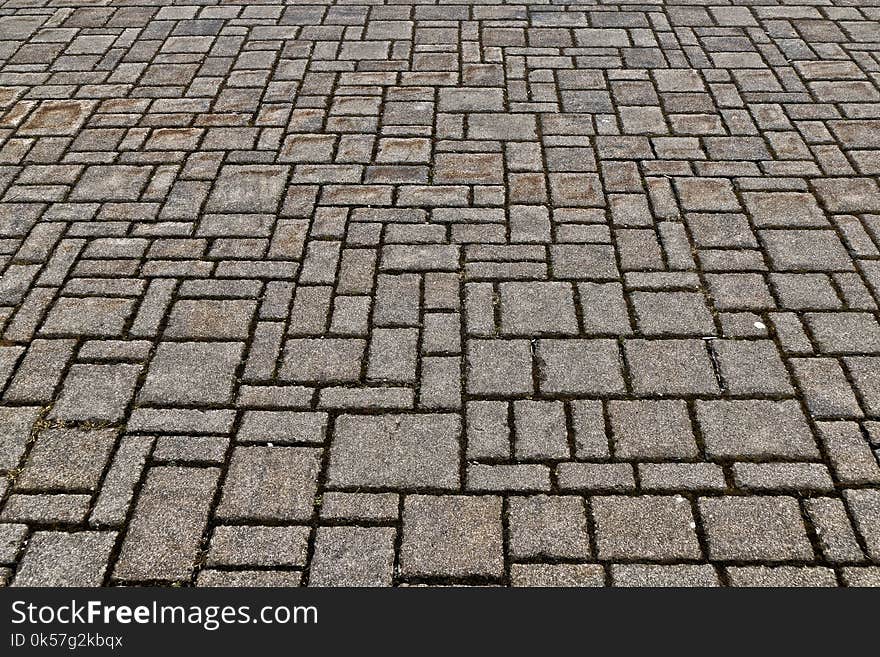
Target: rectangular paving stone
x=754, y=529
x=395, y=451
x=59, y=559
x=164, y=536
x=647, y=527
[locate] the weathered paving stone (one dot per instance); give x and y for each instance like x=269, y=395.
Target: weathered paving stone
x=755, y=529
x=552, y=575
x=258, y=546
x=642, y=575
x=67, y=460
x=270, y=484
x=353, y=556
x=163, y=538
x=585, y=367
x=452, y=536
x=755, y=429
x=247, y=188
x=648, y=527
x=537, y=309
x=499, y=367
x=184, y=373
x=60, y=559
x=396, y=451
x=651, y=430
x=544, y=527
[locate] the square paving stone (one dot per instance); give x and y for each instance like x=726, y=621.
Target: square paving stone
x=755, y=428
x=670, y=367
x=650, y=527
x=328, y=360
x=580, y=367
x=396, y=451
x=537, y=309
x=247, y=189
x=452, y=536
x=652, y=429
x=191, y=373
x=12, y=537
x=96, y=392
x=213, y=319
x=499, y=367
x=91, y=317
x=353, y=556
x=545, y=527
x=672, y=314
x=754, y=529
x=270, y=484
x=59, y=559
x=67, y=459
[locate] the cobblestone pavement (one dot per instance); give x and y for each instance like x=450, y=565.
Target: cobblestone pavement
x=439, y=292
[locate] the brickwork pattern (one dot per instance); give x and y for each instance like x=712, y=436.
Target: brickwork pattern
x=446, y=292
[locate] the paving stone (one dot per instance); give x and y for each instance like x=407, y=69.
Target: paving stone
x=395, y=451
x=164, y=536
x=864, y=505
x=648, y=527
x=651, y=430
x=258, y=546
x=270, y=484
x=555, y=575
x=247, y=188
x=544, y=527
x=451, y=536
x=670, y=367
x=207, y=318
x=192, y=373
x=755, y=429
x=248, y=578
x=754, y=529
x=751, y=367
x=645, y=575
x=672, y=314
x=67, y=460
x=537, y=309
x=499, y=367
x=780, y=576
x=96, y=392
x=60, y=559
x=588, y=367
x=329, y=360
x=353, y=556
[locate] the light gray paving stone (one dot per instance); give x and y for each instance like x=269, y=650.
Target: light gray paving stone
x=396, y=451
